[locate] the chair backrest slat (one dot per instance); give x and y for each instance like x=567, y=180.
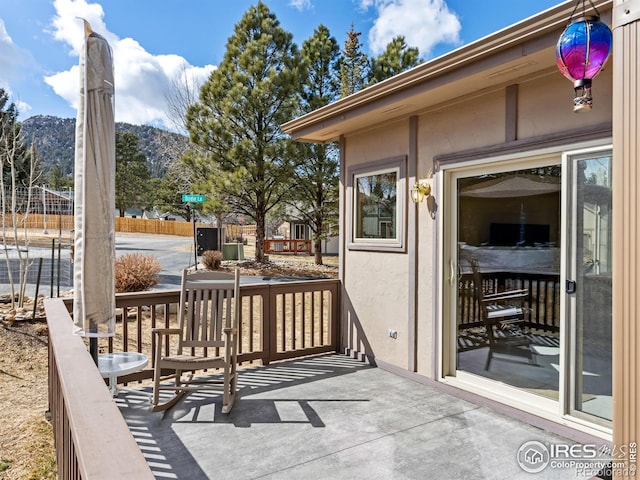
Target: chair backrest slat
x=206, y=308
x=478, y=292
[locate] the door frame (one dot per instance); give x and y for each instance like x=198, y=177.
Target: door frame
x=568, y=303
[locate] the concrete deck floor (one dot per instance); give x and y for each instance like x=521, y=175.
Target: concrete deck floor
x=331, y=417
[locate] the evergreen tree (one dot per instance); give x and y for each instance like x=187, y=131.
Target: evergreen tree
x=56, y=178
x=354, y=66
x=132, y=174
x=316, y=193
x=321, y=57
x=237, y=120
x=396, y=58
x=13, y=150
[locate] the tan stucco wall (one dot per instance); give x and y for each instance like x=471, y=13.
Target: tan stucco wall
x=545, y=105
x=390, y=141
x=474, y=122
x=375, y=283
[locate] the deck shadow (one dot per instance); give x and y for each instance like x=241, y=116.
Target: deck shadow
x=160, y=435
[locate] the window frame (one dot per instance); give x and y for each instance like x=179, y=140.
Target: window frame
x=398, y=243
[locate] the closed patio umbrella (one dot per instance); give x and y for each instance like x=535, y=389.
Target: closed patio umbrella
x=94, y=245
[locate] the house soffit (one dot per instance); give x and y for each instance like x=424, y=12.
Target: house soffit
x=516, y=54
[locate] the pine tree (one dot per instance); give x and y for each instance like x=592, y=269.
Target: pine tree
x=354, y=66
x=316, y=199
x=396, y=58
x=237, y=120
x=132, y=174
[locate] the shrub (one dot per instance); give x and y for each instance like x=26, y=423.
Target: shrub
x=135, y=272
x=211, y=259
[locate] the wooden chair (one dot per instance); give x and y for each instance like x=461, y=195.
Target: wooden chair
x=503, y=318
x=208, y=316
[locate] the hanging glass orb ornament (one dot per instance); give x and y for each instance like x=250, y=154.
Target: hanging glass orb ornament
x=581, y=52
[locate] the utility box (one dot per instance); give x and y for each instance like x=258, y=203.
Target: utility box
x=233, y=251
x=208, y=239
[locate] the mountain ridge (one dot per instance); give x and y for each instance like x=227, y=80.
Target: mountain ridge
x=54, y=141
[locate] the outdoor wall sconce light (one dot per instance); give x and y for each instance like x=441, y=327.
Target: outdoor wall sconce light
x=420, y=190
x=581, y=52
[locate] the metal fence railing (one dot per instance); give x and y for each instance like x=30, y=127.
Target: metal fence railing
x=51, y=269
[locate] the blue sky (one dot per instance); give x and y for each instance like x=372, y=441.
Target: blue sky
x=154, y=41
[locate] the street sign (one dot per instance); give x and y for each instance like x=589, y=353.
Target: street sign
x=192, y=198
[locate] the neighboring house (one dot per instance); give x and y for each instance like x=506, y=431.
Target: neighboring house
x=132, y=213
x=520, y=184
x=150, y=214
x=297, y=229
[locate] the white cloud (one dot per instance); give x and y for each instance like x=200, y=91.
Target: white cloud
x=7, y=56
x=13, y=59
x=424, y=24
x=15, y=64
x=300, y=4
x=141, y=79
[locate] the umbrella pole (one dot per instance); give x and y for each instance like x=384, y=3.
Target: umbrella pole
x=93, y=349
x=93, y=342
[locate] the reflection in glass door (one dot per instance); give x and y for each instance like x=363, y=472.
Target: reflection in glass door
x=508, y=287
x=589, y=277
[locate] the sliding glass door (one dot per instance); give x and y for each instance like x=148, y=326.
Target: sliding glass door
x=589, y=283
x=530, y=280
x=508, y=291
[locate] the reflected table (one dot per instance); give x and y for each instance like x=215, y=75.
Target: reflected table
x=114, y=365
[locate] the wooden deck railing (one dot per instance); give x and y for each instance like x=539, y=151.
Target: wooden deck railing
x=278, y=321
x=92, y=439
x=542, y=302
x=287, y=246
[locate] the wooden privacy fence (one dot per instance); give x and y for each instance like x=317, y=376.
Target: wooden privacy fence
x=162, y=227
x=542, y=304
x=50, y=221
x=54, y=222
x=278, y=321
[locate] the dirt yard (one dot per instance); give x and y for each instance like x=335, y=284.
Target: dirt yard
x=26, y=440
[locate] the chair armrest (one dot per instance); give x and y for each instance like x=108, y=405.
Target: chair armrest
x=166, y=331
x=229, y=330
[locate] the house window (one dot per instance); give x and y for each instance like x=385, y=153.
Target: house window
x=378, y=197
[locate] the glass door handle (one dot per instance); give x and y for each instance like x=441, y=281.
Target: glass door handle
x=452, y=271
x=570, y=286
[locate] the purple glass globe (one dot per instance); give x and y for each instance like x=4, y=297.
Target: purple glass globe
x=583, y=49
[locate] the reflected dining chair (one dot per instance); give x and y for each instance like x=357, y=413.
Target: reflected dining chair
x=207, y=338
x=503, y=318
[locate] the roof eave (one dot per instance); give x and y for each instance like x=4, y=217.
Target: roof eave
x=303, y=128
